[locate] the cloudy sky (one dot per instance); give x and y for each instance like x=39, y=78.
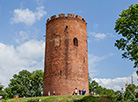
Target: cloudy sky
x=22, y=30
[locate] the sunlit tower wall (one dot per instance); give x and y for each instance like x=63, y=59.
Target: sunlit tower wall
x=66, y=58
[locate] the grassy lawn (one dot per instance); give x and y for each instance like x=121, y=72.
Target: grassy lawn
x=65, y=98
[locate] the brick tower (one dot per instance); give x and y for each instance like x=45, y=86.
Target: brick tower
x=66, y=58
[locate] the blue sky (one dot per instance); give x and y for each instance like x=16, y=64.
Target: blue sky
x=22, y=43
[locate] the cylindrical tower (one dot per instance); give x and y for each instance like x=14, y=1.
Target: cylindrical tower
x=66, y=58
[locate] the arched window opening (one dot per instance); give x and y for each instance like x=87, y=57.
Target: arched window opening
x=75, y=42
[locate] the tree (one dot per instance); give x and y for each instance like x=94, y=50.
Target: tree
x=2, y=92
x=26, y=84
x=93, y=85
x=129, y=93
x=96, y=88
x=1, y=87
x=128, y=96
x=8, y=92
x=20, y=84
x=37, y=83
x=127, y=26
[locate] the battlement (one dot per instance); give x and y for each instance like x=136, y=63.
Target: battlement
x=63, y=16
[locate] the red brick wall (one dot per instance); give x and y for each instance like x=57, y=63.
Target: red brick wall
x=66, y=65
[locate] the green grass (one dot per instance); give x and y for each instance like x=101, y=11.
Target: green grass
x=65, y=98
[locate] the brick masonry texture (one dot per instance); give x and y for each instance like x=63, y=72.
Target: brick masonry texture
x=66, y=64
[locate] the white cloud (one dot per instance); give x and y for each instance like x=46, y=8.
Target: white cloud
x=40, y=2
x=117, y=83
x=30, y=49
x=95, y=26
x=94, y=59
x=40, y=12
x=93, y=62
x=23, y=36
x=98, y=36
x=27, y=16
x=13, y=60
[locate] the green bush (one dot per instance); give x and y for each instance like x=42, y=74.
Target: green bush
x=94, y=99
x=33, y=100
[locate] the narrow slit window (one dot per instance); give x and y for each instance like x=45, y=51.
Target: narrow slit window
x=83, y=59
x=75, y=42
x=60, y=72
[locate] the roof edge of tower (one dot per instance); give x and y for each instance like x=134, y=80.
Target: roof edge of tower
x=62, y=15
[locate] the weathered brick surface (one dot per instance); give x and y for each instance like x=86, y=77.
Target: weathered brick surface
x=66, y=65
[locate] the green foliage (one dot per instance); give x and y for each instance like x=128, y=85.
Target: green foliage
x=37, y=83
x=96, y=88
x=94, y=99
x=127, y=26
x=2, y=92
x=8, y=92
x=26, y=84
x=1, y=87
x=33, y=100
x=93, y=85
x=3, y=100
x=128, y=96
x=20, y=84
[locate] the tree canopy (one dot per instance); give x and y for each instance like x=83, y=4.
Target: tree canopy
x=127, y=26
x=26, y=84
x=2, y=92
x=129, y=95
x=97, y=89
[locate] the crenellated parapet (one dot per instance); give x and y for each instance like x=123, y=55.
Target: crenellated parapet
x=63, y=16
